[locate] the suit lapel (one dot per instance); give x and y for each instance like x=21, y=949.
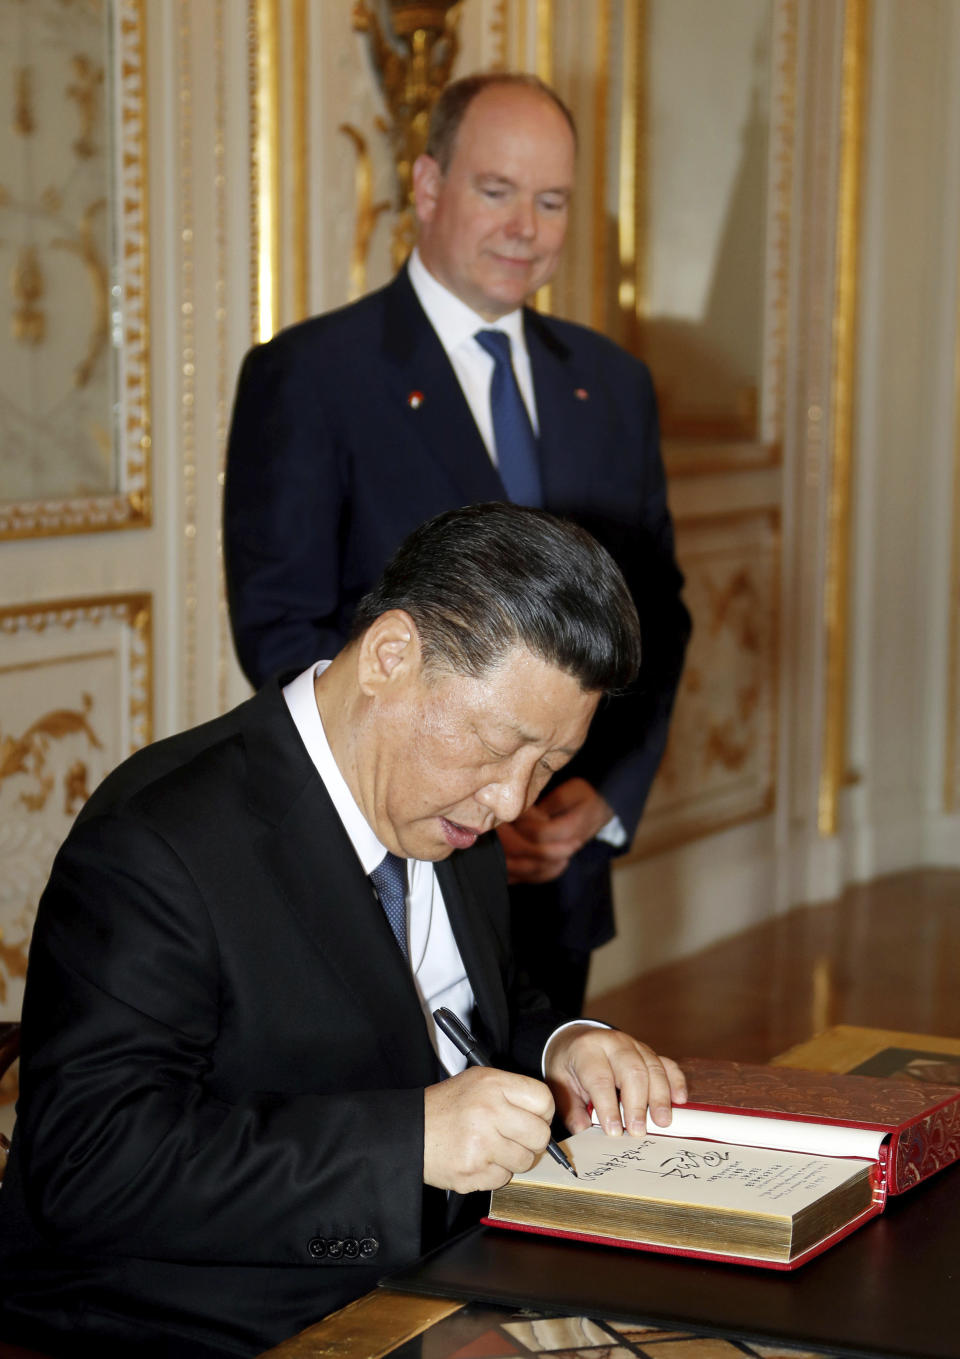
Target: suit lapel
x=322, y=884
x=424, y=385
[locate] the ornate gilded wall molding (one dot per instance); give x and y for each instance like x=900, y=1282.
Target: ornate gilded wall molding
x=132, y=611
x=264, y=67
x=300, y=151
x=719, y=766
x=543, y=67
x=413, y=55
x=843, y=379
x=225, y=380
x=76, y=694
x=518, y=42
x=26, y=755
x=598, y=188
x=188, y=367
x=106, y=133
x=279, y=110
x=543, y=55
x=783, y=136
x=366, y=211
x=632, y=216
x=499, y=32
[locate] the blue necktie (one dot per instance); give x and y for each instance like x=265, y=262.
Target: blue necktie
x=512, y=430
x=390, y=880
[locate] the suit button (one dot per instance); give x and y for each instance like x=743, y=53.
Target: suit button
x=351, y=1247
x=334, y=1247
x=317, y=1247
x=369, y=1247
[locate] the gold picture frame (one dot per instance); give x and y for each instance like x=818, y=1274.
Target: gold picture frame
x=104, y=121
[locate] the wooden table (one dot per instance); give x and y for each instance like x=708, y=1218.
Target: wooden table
x=368, y=1328
x=382, y=1320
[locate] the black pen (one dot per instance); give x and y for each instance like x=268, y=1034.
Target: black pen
x=461, y=1038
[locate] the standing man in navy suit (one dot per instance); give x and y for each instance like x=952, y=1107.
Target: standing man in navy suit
x=353, y=427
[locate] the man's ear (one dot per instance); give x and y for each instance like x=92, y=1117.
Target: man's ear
x=389, y=652
x=427, y=179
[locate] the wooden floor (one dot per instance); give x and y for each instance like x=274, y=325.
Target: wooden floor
x=887, y=954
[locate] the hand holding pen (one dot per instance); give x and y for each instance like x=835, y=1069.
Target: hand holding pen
x=462, y=1039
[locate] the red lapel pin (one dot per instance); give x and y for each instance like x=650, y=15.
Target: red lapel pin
x=415, y=400
x=582, y=394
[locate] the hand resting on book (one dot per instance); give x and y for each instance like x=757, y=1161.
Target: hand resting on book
x=611, y=1071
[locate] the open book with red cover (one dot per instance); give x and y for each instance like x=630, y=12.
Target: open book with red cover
x=765, y=1165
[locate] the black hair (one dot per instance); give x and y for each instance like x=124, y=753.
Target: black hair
x=481, y=580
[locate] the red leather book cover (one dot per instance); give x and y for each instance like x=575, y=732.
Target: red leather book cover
x=922, y=1120
x=919, y=1123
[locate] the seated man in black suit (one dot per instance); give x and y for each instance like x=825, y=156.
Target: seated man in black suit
x=354, y=427
x=236, y=1112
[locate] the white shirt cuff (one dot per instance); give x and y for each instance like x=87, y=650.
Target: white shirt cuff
x=613, y=833
x=593, y=1023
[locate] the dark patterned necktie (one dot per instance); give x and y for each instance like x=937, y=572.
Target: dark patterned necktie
x=512, y=431
x=390, y=881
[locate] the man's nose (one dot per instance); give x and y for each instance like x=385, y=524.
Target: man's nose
x=507, y=797
x=523, y=219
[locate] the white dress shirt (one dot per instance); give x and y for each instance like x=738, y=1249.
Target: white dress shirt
x=456, y=325
x=438, y=971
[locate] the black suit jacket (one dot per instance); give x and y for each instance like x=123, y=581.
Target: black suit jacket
x=220, y=1129
x=351, y=429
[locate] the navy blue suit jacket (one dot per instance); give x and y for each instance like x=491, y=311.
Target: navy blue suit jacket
x=350, y=429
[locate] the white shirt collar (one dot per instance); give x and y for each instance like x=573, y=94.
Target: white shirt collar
x=302, y=702
x=452, y=319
